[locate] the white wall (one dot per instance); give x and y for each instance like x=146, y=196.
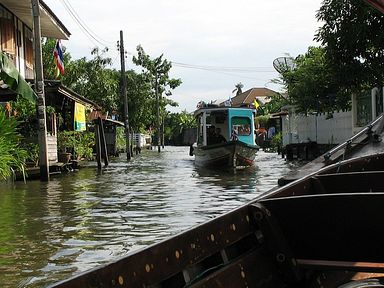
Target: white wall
x=335, y=130
x=317, y=128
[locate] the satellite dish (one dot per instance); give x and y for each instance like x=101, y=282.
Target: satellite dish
x=283, y=64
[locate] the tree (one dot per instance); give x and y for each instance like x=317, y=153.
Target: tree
x=275, y=105
x=156, y=72
x=95, y=80
x=312, y=85
x=49, y=65
x=238, y=88
x=140, y=102
x=352, y=35
x=176, y=123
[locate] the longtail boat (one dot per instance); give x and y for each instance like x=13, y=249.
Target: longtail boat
x=234, y=147
x=323, y=230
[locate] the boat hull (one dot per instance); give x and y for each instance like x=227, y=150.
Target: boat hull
x=314, y=232
x=233, y=154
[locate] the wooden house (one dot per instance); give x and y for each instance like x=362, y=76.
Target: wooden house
x=17, y=65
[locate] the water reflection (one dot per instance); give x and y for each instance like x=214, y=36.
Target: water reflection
x=49, y=231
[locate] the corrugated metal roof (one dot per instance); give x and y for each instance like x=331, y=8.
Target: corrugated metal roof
x=51, y=26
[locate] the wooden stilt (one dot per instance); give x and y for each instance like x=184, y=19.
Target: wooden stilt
x=98, y=145
x=104, y=151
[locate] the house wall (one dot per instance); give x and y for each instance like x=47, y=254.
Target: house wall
x=324, y=130
x=12, y=42
x=317, y=128
x=52, y=148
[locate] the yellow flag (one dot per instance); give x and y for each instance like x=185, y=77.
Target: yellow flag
x=79, y=117
x=256, y=104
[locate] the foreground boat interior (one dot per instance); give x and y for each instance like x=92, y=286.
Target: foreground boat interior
x=323, y=230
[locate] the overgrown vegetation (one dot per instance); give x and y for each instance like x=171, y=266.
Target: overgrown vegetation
x=350, y=58
x=12, y=155
x=79, y=144
x=96, y=79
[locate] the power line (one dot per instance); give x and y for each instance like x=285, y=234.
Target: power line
x=83, y=26
x=226, y=68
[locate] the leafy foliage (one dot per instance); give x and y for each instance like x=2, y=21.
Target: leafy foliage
x=78, y=143
x=352, y=35
x=238, y=88
x=155, y=72
x=176, y=123
x=49, y=65
x=12, y=156
x=312, y=85
x=94, y=79
x=274, y=106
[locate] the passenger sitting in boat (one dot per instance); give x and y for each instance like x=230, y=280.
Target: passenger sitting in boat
x=218, y=137
x=211, y=137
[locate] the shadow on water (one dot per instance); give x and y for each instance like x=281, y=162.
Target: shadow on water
x=49, y=231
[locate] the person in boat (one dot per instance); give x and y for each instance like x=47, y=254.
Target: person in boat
x=234, y=135
x=211, y=136
x=219, y=138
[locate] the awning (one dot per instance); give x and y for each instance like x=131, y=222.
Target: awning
x=15, y=82
x=51, y=26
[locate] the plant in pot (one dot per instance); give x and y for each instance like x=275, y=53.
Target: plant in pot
x=76, y=144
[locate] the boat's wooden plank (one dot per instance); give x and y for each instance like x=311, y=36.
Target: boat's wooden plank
x=367, y=163
x=256, y=269
x=342, y=265
x=168, y=258
x=332, y=227
x=364, y=163
x=367, y=181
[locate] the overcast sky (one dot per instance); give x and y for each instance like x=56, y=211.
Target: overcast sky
x=225, y=42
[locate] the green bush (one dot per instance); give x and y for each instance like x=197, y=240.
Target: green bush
x=80, y=144
x=120, y=139
x=277, y=142
x=262, y=120
x=12, y=156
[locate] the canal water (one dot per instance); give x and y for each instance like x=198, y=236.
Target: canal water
x=50, y=231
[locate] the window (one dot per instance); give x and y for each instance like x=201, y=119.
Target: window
x=241, y=125
x=28, y=52
x=7, y=32
x=364, y=108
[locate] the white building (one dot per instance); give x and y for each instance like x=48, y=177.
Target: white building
x=323, y=129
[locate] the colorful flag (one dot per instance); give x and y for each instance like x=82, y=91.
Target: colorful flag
x=256, y=104
x=79, y=117
x=59, y=58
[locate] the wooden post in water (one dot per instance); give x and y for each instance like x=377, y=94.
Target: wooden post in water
x=158, y=113
x=39, y=80
x=104, y=151
x=98, y=144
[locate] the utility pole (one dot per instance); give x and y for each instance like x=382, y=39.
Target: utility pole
x=158, y=112
x=124, y=95
x=39, y=87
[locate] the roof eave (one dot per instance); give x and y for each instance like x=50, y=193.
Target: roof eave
x=51, y=26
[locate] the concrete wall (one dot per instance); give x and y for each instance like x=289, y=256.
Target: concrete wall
x=317, y=128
